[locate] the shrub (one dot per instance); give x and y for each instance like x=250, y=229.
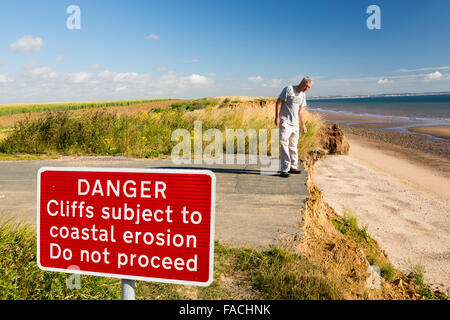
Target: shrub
x=193, y=105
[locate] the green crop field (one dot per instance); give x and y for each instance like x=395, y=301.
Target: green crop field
x=40, y=107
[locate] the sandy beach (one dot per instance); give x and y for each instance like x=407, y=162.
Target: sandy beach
x=397, y=184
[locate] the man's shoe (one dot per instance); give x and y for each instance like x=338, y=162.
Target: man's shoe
x=284, y=174
x=295, y=171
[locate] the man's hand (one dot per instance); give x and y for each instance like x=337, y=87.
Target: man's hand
x=277, y=121
x=304, y=130
x=302, y=122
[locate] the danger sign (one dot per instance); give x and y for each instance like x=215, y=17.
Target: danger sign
x=138, y=224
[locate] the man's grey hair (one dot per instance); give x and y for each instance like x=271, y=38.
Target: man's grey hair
x=306, y=80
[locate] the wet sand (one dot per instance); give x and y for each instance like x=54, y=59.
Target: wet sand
x=410, y=141
x=437, y=131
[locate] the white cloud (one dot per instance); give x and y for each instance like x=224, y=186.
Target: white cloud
x=383, y=81
x=197, y=79
x=410, y=82
x=257, y=78
x=106, y=74
x=43, y=72
x=424, y=69
x=153, y=36
x=4, y=78
x=82, y=77
x=27, y=44
x=433, y=76
x=118, y=89
x=126, y=77
x=132, y=78
x=43, y=84
x=274, y=83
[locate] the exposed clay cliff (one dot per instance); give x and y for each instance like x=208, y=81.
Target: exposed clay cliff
x=341, y=256
x=333, y=139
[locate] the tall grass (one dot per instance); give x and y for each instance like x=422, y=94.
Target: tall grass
x=417, y=274
x=147, y=134
x=278, y=274
x=257, y=119
x=22, y=279
x=94, y=134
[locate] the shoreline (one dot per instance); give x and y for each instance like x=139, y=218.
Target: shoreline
x=397, y=184
x=411, y=144
x=430, y=128
x=411, y=135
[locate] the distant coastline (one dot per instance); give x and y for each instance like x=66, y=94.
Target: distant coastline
x=404, y=94
x=410, y=113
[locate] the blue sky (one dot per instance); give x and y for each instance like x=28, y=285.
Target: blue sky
x=188, y=49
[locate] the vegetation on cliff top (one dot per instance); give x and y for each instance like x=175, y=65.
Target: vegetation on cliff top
x=144, y=135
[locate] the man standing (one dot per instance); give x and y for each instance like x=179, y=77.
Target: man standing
x=288, y=111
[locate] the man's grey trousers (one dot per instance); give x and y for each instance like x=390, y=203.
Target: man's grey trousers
x=288, y=146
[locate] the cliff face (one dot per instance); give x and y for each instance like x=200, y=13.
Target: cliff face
x=333, y=139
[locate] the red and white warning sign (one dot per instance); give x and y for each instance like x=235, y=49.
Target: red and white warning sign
x=138, y=224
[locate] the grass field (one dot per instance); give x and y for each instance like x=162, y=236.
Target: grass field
x=144, y=135
x=41, y=107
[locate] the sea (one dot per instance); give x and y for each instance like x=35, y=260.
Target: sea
x=431, y=109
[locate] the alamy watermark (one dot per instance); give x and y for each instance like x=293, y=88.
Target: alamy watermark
x=73, y=281
x=374, y=279
x=374, y=20
x=241, y=147
x=73, y=22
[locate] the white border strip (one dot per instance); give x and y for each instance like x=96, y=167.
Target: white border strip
x=137, y=170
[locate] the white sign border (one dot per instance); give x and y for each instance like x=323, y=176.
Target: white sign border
x=134, y=170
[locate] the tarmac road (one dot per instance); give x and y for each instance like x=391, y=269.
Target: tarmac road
x=252, y=209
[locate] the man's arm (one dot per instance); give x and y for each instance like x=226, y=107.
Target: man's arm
x=302, y=122
x=277, y=111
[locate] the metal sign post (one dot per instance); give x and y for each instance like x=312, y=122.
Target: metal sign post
x=128, y=289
